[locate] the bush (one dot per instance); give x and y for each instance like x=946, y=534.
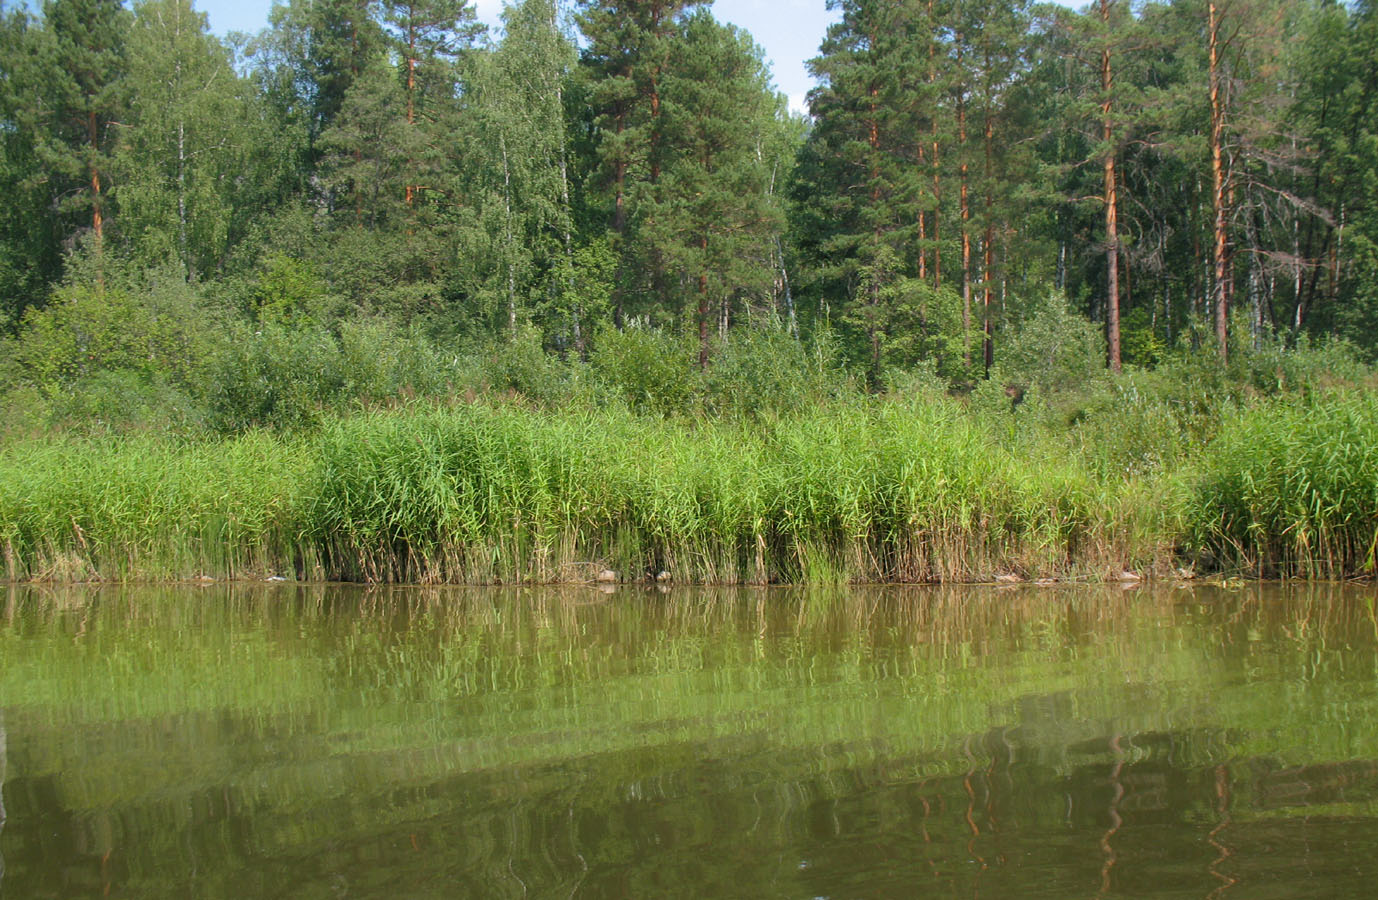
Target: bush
x=1053, y=348
x=381, y=362
x=651, y=369
x=1137, y=425
x=289, y=291
x=1139, y=344
x=153, y=326
x=1274, y=368
x=274, y=377
x=520, y=365
x=124, y=401
x=765, y=370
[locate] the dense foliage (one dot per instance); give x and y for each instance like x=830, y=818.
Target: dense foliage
x=1160, y=164
x=1068, y=244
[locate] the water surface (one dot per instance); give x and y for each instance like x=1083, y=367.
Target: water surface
x=229, y=741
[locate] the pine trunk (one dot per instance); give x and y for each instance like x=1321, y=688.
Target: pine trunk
x=703, y=308
x=988, y=239
x=923, y=232
x=410, y=189
x=937, y=181
x=1220, y=245
x=965, y=212
x=97, y=218
x=873, y=295
x=937, y=206
x=1112, y=236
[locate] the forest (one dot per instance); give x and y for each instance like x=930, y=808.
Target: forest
x=1132, y=247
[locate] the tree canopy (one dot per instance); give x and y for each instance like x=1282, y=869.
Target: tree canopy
x=1198, y=174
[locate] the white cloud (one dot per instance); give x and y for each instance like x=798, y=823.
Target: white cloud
x=489, y=12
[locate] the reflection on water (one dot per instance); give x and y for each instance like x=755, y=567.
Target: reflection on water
x=3, y=744
x=325, y=742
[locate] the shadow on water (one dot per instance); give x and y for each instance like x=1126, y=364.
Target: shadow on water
x=233, y=740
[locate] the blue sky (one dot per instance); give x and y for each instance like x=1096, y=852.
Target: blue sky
x=788, y=30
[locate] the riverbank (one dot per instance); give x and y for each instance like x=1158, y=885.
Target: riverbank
x=878, y=490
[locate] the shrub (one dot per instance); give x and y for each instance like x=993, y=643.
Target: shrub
x=1053, y=348
x=274, y=376
x=764, y=370
x=289, y=291
x=155, y=327
x=520, y=365
x=1275, y=368
x=651, y=369
x=1139, y=344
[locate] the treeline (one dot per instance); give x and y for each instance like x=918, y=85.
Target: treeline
x=1163, y=164
x=1193, y=176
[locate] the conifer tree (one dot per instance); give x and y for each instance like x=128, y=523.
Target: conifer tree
x=999, y=63
x=1108, y=108
x=29, y=228
x=430, y=36
x=865, y=177
x=1336, y=243
x=326, y=44
x=85, y=83
x=709, y=215
x=629, y=46
x=365, y=151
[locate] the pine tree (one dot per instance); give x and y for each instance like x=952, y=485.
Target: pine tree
x=86, y=66
x=326, y=45
x=629, y=46
x=709, y=215
x=999, y=62
x=430, y=36
x=366, y=149
x=863, y=179
x=1108, y=108
x=30, y=239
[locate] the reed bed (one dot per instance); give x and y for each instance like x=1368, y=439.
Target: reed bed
x=884, y=492
x=73, y=510
x=1291, y=489
x=863, y=491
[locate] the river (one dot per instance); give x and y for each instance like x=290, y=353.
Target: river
x=281, y=741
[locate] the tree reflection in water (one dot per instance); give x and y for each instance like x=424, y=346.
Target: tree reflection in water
x=983, y=742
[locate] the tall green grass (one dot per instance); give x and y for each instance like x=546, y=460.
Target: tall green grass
x=140, y=508
x=901, y=490
x=1291, y=488
x=861, y=492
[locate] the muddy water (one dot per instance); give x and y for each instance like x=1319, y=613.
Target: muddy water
x=325, y=742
